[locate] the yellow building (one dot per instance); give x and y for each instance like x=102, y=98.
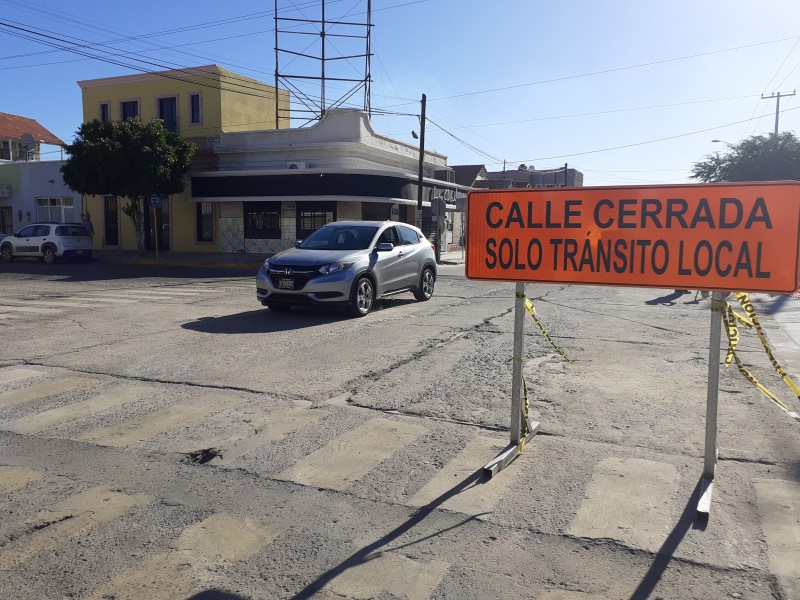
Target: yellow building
x=199, y=104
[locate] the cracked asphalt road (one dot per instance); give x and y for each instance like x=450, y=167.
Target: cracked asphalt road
x=163, y=436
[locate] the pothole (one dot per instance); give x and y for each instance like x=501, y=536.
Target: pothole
x=201, y=457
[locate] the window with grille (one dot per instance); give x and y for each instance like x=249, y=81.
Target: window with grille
x=313, y=215
x=205, y=222
x=376, y=211
x=262, y=220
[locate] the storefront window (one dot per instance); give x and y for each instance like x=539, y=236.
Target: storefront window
x=262, y=220
x=313, y=215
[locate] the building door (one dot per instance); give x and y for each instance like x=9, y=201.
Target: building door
x=6, y=223
x=111, y=221
x=161, y=225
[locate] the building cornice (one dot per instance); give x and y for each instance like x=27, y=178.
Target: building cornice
x=203, y=71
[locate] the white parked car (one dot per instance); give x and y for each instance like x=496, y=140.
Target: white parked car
x=48, y=242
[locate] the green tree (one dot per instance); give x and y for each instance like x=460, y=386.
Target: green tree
x=770, y=157
x=131, y=159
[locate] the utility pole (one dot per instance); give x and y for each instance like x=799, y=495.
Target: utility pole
x=777, y=97
x=421, y=158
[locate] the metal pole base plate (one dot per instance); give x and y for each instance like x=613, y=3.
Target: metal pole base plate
x=706, y=491
x=507, y=456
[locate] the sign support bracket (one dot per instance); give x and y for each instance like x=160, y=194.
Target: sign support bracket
x=518, y=415
x=711, y=449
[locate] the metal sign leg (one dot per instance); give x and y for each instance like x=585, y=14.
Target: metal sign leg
x=710, y=464
x=517, y=414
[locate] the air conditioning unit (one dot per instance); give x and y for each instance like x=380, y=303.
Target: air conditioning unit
x=296, y=165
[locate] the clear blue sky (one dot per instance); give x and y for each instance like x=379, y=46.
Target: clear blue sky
x=628, y=92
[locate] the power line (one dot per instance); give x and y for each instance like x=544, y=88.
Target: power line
x=56, y=42
x=602, y=112
x=664, y=139
x=613, y=70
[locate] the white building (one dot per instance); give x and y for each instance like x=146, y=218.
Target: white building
x=275, y=187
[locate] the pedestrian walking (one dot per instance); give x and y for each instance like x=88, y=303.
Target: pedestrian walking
x=87, y=224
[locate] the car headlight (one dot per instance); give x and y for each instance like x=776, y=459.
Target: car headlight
x=334, y=268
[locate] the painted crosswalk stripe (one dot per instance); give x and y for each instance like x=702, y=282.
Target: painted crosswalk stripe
x=15, y=478
x=389, y=574
x=67, y=519
x=157, y=293
x=44, y=390
x=202, y=290
x=475, y=499
x=111, y=300
x=628, y=499
x=190, y=566
x=274, y=428
x=152, y=424
x=29, y=309
x=10, y=375
x=341, y=462
x=51, y=303
x=63, y=414
x=779, y=509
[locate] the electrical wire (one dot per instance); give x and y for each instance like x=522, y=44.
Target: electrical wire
x=611, y=70
x=664, y=139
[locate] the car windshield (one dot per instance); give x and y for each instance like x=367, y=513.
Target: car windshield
x=340, y=237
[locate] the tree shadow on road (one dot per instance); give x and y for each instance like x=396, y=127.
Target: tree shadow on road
x=777, y=304
x=689, y=520
x=374, y=550
x=668, y=299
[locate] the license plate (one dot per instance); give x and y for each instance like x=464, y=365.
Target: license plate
x=286, y=284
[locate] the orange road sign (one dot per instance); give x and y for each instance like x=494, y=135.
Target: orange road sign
x=724, y=237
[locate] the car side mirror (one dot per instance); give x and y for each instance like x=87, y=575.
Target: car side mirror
x=297, y=243
x=384, y=247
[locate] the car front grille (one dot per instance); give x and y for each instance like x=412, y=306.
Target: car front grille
x=300, y=276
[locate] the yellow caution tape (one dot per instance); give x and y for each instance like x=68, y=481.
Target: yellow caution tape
x=526, y=424
x=744, y=300
x=532, y=312
x=729, y=319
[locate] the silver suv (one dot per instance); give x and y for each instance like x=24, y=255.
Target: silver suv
x=48, y=242
x=350, y=264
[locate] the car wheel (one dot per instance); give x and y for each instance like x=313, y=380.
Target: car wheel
x=49, y=256
x=363, y=297
x=426, y=283
x=279, y=307
x=6, y=254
